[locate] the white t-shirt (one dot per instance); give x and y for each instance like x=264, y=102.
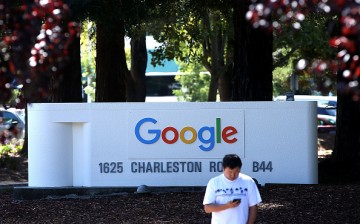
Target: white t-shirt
x=221, y=190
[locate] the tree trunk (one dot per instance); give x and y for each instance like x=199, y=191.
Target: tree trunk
x=225, y=86
x=213, y=47
x=217, y=61
x=66, y=87
x=344, y=163
x=111, y=68
x=69, y=87
x=252, y=79
x=347, y=142
x=214, y=83
x=136, y=86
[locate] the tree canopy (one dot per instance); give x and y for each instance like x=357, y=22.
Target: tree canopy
x=36, y=39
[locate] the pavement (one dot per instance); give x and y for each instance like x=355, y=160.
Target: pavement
x=21, y=191
x=12, y=183
x=9, y=186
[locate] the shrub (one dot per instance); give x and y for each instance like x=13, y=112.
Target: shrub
x=9, y=153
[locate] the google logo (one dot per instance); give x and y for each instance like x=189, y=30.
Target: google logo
x=207, y=135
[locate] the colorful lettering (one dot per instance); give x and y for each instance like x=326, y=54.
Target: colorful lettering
x=207, y=135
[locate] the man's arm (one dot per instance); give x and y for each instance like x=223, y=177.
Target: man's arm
x=252, y=214
x=220, y=207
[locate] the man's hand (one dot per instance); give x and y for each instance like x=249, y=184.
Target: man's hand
x=217, y=207
x=233, y=204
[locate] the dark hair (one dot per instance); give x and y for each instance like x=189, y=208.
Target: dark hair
x=231, y=161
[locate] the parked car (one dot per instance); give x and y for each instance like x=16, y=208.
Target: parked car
x=326, y=124
x=19, y=112
x=326, y=110
x=321, y=100
x=11, y=126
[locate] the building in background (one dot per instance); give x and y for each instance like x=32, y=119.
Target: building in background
x=160, y=80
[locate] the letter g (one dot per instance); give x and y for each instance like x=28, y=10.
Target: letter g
x=150, y=131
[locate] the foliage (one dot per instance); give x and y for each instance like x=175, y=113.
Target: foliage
x=345, y=41
x=13, y=148
x=281, y=76
x=173, y=38
x=347, y=44
x=34, y=42
x=198, y=32
x=309, y=43
x=88, y=54
x=10, y=151
x=194, y=83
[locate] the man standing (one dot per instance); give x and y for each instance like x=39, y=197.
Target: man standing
x=232, y=197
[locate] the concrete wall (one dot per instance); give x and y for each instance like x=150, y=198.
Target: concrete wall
x=115, y=144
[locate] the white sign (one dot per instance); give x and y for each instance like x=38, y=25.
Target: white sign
x=169, y=144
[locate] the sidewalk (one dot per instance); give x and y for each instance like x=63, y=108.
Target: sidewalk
x=9, y=185
x=12, y=183
x=6, y=186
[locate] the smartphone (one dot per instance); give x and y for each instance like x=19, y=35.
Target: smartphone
x=237, y=200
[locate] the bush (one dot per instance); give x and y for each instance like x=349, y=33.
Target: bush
x=9, y=153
